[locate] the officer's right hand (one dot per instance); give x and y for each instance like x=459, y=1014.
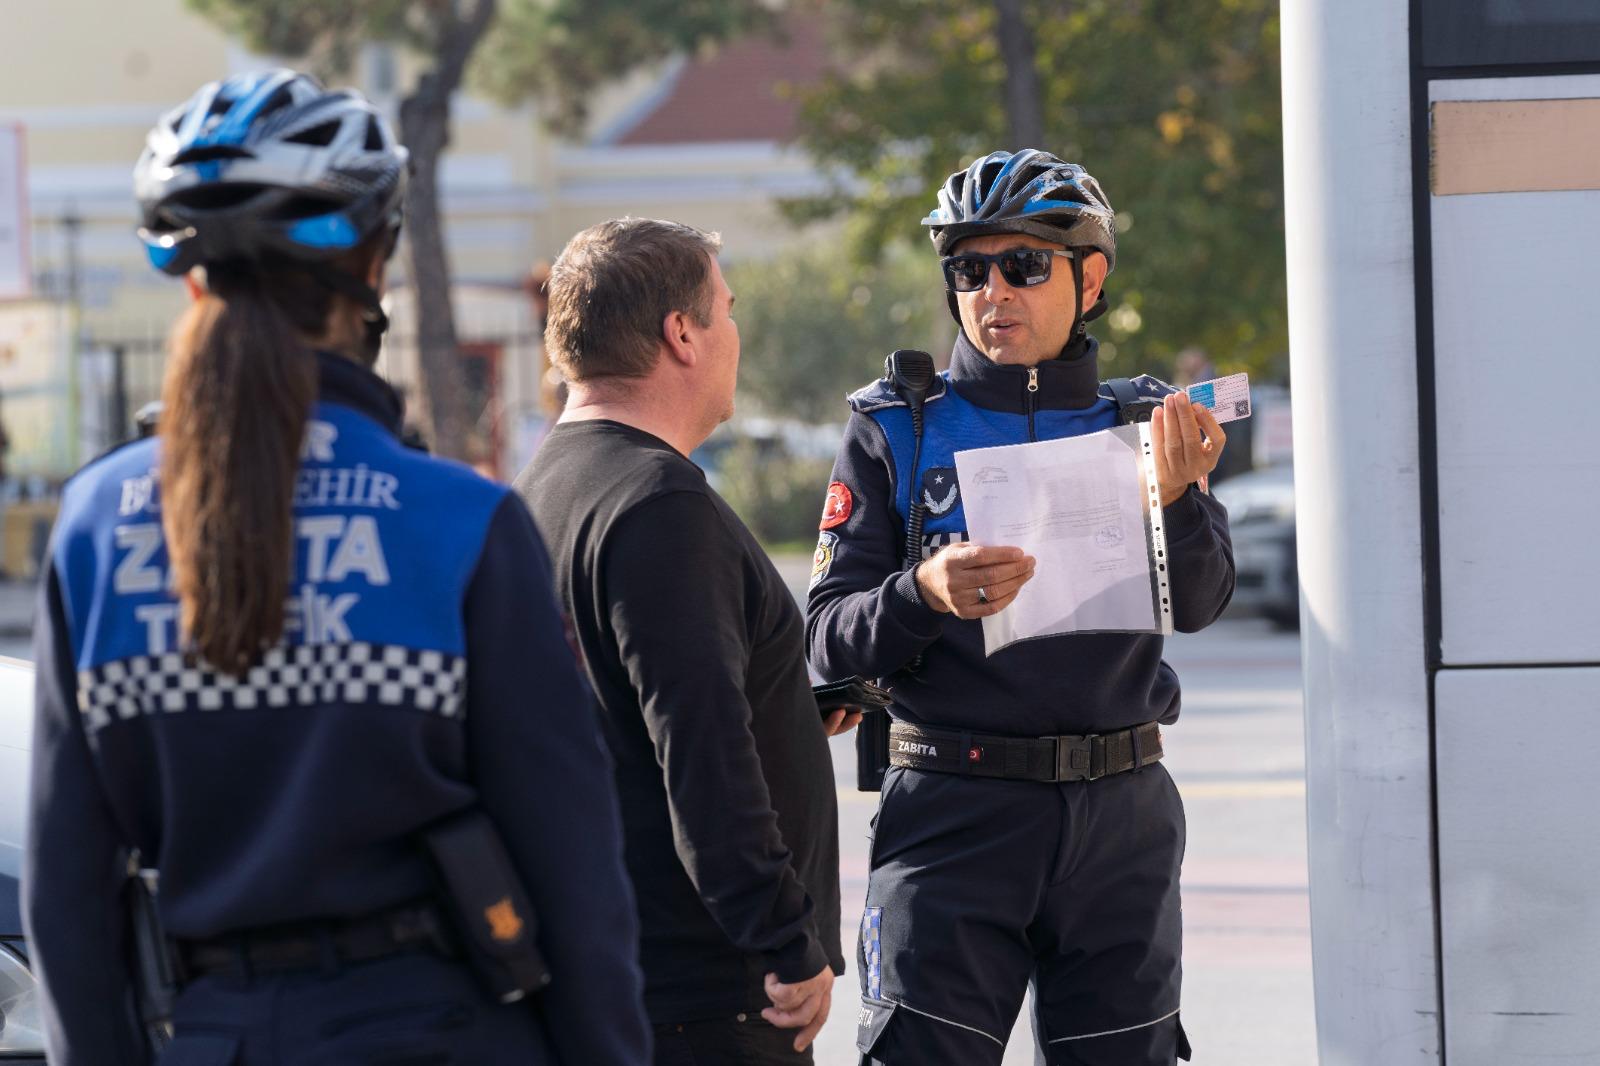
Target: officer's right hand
x=949, y=582
x=803, y=1005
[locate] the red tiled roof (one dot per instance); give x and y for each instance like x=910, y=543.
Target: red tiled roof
x=733, y=94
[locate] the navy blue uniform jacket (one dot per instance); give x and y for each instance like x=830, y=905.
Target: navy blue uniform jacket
x=423, y=670
x=865, y=615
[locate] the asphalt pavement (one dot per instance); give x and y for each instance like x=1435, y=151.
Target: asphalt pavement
x=16, y=617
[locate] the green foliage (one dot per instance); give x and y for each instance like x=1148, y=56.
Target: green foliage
x=777, y=494
x=815, y=324
x=556, y=51
x=561, y=51
x=325, y=34
x=1173, y=104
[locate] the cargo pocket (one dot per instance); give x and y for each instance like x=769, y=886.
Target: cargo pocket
x=875, y=827
x=872, y=1023
x=1184, y=1052
x=200, y=1049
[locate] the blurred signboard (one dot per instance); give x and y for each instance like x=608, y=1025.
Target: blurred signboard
x=36, y=389
x=15, y=272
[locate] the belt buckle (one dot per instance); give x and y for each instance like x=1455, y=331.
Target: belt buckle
x=1073, y=758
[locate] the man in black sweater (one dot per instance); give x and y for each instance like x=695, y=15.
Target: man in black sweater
x=695, y=650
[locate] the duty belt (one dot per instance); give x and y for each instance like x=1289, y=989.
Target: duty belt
x=309, y=945
x=1063, y=758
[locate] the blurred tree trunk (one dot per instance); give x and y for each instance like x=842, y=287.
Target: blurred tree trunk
x=1023, y=107
x=425, y=130
x=559, y=51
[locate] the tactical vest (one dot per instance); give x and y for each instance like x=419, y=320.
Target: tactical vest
x=952, y=423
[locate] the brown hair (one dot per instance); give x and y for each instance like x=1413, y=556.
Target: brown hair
x=612, y=287
x=235, y=401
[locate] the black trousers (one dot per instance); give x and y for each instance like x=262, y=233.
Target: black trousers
x=744, y=1040
x=981, y=887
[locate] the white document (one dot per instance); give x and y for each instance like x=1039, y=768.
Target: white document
x=1088, y=510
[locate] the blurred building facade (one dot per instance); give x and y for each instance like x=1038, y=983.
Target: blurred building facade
x=700, y=141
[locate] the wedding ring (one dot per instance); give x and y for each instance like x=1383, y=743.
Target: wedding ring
x=983, y=597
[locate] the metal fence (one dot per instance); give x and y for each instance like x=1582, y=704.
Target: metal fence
x=502, y=378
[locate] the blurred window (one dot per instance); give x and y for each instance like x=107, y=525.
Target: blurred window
x=1482, y=33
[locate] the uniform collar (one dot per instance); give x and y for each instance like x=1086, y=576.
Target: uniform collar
x=1065, y=383
x=345, y=382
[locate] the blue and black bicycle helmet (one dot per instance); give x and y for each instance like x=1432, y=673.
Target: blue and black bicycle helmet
x=1029, y=192
x=270, y=165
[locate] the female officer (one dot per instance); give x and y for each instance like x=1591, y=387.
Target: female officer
x=275, y=646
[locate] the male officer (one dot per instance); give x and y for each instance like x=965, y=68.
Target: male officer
x=696, y=652
x=1026, y=829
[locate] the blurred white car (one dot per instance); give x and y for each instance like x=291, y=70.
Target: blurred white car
x=20, y=1037
x=1260, y=507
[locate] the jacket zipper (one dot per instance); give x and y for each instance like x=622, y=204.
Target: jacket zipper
x=1031, y=400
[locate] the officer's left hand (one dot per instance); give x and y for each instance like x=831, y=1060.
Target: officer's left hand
x=841, y=721
x=1182, y=456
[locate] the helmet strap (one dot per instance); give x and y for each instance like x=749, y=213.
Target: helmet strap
x=375, y=320
x=1079, y=325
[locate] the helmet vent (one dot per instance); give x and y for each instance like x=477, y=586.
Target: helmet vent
x=210, y=152
x=278, y=101
x=374, y=142
x=320, y=135
x=216, y=196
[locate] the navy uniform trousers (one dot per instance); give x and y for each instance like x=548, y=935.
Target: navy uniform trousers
x=412, y=1009
x=980, y=886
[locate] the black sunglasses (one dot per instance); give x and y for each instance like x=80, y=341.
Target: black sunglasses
x=1020, y=267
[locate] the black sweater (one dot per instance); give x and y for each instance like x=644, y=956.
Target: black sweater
x=695, y=649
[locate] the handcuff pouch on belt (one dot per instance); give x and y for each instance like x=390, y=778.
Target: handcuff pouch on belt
x=487, y=904
x=156, y=977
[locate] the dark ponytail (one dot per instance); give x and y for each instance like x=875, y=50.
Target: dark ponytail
x=237, y=395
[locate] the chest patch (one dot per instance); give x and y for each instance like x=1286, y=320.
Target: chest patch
x=940, y=492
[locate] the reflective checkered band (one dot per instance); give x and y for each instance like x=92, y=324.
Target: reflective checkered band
x=300, y=675
x=872, y=949
x=932, y=542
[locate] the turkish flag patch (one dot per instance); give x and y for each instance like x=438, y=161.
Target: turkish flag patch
x=837, y=510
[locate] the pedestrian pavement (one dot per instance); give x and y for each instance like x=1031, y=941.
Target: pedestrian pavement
x=1237, y=755
x=17, y=599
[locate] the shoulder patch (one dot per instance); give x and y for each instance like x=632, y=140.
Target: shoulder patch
x=836, y=510
x=822, y=558
x=881, y=394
